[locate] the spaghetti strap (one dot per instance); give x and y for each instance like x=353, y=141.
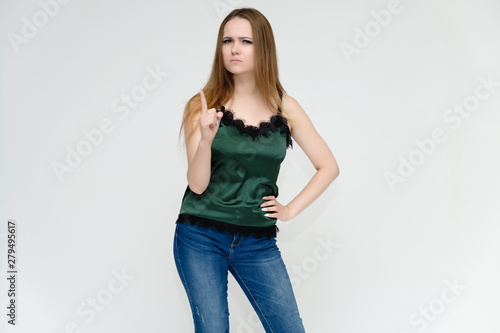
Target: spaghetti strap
x=281, y=99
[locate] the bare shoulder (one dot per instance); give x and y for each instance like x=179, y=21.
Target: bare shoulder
x=291, y=106
x=294, y=113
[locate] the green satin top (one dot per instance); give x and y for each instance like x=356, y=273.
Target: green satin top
x=245, y=164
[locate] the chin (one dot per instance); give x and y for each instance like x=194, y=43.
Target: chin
x=238, y=71
x=233, y=72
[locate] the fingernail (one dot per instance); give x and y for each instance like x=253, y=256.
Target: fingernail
x=266, y=215
x=263, y=209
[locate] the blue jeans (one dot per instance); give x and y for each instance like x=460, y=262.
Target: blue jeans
x=204, y=256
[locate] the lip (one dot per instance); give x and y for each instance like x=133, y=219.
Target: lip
x=235, y=60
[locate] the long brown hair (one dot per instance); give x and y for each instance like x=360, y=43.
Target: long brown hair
x=220, y=85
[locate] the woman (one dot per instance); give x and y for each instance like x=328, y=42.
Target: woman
x=227, y=220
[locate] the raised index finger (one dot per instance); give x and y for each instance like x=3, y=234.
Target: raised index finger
x=204, y=107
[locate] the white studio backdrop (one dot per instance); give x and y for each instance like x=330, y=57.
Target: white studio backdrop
x=406, y=93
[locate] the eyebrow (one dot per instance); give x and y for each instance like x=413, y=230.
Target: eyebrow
x=238, y=37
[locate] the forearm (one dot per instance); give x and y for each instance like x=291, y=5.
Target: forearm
x=198, y=173
x=317, y=185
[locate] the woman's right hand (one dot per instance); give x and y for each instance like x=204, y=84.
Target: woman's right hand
x=209, y=120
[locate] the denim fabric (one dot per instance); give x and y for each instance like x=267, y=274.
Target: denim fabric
x=204, y=257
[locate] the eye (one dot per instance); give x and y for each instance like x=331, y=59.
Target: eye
x=225, y=41
x=247, y=41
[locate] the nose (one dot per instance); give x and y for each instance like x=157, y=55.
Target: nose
x=236, y=48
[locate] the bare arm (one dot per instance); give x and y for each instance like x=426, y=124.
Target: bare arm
x=199, y=146
x=316, y=149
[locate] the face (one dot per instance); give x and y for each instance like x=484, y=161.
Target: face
x=238, y=47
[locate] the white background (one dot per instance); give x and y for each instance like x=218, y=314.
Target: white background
x=397, y=249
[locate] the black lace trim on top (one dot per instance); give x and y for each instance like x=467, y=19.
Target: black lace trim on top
x=276, y=123
x=258, y=232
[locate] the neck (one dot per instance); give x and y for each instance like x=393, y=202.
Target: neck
x=245, y=87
